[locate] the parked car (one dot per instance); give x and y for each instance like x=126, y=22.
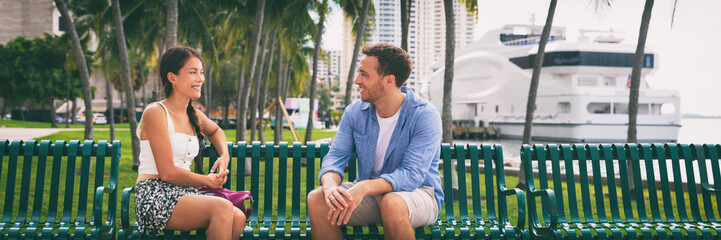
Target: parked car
x=98, y=118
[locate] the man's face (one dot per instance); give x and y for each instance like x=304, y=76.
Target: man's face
x=371, y=84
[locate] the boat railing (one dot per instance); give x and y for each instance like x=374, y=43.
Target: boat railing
x=528, y=41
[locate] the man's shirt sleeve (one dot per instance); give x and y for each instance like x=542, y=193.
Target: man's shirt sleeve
x=342, y=148
x=423, y=148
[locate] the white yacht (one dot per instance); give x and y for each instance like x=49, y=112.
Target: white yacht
x=583, y=90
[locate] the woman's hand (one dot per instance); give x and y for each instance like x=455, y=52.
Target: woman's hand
x=216, y=181
x=221, y=164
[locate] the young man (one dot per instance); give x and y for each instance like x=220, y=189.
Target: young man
x=396, y=136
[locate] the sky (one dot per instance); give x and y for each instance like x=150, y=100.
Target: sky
x=688, y=55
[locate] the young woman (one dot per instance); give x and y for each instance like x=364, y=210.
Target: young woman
x=170, y=132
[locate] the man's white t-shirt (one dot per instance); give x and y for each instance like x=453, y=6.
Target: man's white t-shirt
x=387, y=125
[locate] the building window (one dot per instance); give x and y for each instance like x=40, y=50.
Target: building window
x=61, y=24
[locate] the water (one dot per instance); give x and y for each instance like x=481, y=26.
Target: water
x=693, y=130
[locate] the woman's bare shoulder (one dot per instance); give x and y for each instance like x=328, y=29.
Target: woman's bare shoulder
x=153, y=112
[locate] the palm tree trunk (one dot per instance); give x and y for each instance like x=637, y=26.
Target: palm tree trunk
x=73, y=119
x=82, y=65
x=256, y=85
x=141, y=70
x=129, y=93
x=533, y=89
x=171, y=24
x=636, y=73
x=405, y=20
x=53, y=123
x=264, y=87
x=356, y=49
x=635, y=85
x=316, y=53
x=278, y=134
x=244, y=90
x=122, y=113
x=446, y=116
x=111, y=116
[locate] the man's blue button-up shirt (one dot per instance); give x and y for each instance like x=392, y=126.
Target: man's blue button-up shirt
x=411, y=159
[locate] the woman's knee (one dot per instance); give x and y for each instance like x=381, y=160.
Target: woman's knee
x=239, y=217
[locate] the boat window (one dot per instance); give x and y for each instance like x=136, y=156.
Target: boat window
x=620, y=108
x=643, y=109
x=668, y=108
x=564, y=107
x=599, y=108
x=496, y=108
x=587, y=81
x=609, y=81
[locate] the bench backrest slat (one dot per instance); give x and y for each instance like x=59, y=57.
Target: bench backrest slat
x=543, y=178
x=461, y=169
x=475, y=182
x=296, y=154
x=10, y=183
x=607, y=156
x=447, y=180
x=487, y=151
x=595, y=156
x=648, y=160
x=282, y=151
x=269, y=177
x=701, y=161
x=28, y=160
x=84, y=178
x=713, y=153
x=567, y=154
x=58, y=149
x=585, y=186
x=659, y=152
x=70, y=181
x=691, y=179
x=678, y=185
x=241, y=153
x=43, y=151
x=255, y=178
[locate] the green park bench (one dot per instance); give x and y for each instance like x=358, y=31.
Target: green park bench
x=623, y=213
x=277, y=212
x=49, y=172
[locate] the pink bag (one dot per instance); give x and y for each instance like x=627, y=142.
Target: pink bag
x=236, y=197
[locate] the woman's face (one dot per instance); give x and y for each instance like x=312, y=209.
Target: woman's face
x=189, y=79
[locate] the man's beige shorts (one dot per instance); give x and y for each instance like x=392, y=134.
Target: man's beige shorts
x=422, y=207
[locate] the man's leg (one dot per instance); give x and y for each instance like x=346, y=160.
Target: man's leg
x=396, y=224
x=404, y=211
x=321, y=227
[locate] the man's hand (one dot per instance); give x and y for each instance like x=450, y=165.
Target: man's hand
x=337, y=198
x=341, y=217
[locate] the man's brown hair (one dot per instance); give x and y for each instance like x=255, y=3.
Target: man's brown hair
x=392, y=60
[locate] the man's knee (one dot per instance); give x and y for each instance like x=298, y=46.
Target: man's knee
x=393, y=207
x=316, y=199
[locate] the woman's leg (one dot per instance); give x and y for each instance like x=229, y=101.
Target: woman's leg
x=238, y=222
x=199, y=211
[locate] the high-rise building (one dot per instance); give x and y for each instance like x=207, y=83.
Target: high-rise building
x=426, y=36
x=463, y=28
x=28, y=18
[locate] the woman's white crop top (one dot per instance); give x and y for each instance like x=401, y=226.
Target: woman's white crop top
x=185, y=148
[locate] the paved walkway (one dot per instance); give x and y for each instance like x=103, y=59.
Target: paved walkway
x=28, y=133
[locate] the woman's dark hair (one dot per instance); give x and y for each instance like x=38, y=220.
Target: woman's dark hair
x=392, y=60
x=172, y=61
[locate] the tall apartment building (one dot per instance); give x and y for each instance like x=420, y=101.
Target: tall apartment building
x=425, y=34
x=464, y=28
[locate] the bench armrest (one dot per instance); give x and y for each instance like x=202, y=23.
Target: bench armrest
x=521, y=199
x=547, y=193
x=707, y=187
x=98, y=205
x=125, y=208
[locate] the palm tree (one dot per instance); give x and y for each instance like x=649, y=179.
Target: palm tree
x=256, y=83
x=264, y=86
x=171, y=24
x=322, y=9
x=533, y=90
x=448, y=71
x=244, y=84
x=82, y=66
x=359, y=28
x=636, y=72
x=405, y=21
x=129, y=93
